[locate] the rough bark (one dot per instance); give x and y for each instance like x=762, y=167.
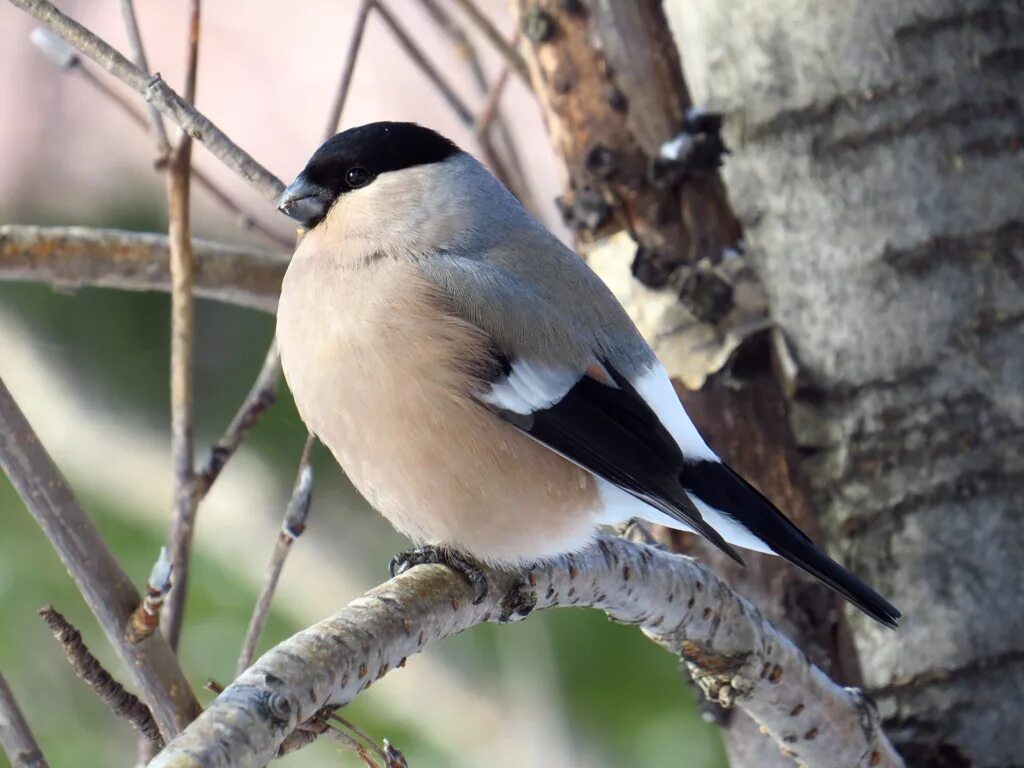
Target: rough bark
x=877, y=168
x=678, y=602
x=609, y=82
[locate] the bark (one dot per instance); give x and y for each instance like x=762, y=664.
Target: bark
x=728, y=645
x=877, y=168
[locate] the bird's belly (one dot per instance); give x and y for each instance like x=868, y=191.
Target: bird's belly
x=387, y=391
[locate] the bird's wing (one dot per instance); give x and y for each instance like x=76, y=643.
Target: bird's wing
x=554, y=383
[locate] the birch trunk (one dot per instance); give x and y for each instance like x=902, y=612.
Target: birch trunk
x=877, y=170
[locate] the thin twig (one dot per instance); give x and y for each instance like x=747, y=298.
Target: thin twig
x=182, y=343
x=419, y=58
x=64, y=56
x=262, y=395
x=157, y=92
x=465, y=50
x=457, y=105
x=343, y=738
x=156, y=121
x=146, y=618
x=122, y=703
x=358, y=734
x=16, y=737
x=678, y=602
x=506, y=49
x=489, y=113
x=348, y=69
x=292, y=526
x=245, y=219
x=192, y=56
x=103, y=583
x=513, y=178
x=70, y=257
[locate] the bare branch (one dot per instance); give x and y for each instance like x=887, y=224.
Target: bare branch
x=465, y=50
x=507, y=50
x=737, y=655
x=131, y=24
x=107, y=589
x=348, y=69
x=245, y=219
x=122, y=703
x=405, y=41
x=262, y=395
x=457, y=105
x=182, y=334
x=489, y=113
x=292, y=526
x=15, y=735
x=183, y=516
x=72, y=257
x=192, y=57
x=158, y=93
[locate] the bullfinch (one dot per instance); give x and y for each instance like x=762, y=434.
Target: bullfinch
x=480, y=385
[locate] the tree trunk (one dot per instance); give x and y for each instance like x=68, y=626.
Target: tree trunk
x=608, y=78
x=878, y=171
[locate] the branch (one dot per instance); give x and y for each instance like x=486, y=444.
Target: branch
x=678, y=602
x=156, y=122
x=348, y=69
x=107, y=589
x=183, y=515
x=15, y=735
x=111, y=258
x=89, y=669
x=292, y=526
x=159, y=94
x=503, y=46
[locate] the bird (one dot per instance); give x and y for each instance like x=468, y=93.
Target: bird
x=479, y=384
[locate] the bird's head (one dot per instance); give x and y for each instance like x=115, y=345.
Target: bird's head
x=372, y=166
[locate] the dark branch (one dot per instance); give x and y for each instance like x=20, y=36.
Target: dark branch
x=107, y=589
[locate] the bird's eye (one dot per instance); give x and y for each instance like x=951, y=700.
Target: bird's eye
x=357, y=176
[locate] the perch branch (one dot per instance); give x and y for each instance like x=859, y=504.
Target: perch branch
x=292, y=526
x=679, y=603
x=15, y=736
x=159, y=94
x=72, y=257
x=183, y=515
x=107, y=589
x=122, y=703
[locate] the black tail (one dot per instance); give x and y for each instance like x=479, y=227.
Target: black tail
x=718, y=486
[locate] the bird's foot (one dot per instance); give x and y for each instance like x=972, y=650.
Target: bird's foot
x=431, y=554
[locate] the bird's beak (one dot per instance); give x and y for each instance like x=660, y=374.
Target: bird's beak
x=305, y=202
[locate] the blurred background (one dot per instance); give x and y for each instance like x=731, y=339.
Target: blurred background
x=90, y=369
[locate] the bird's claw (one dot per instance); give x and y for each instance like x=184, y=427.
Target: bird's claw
x=434, y=555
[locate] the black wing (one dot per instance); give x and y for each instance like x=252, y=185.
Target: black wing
x=611, y=431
